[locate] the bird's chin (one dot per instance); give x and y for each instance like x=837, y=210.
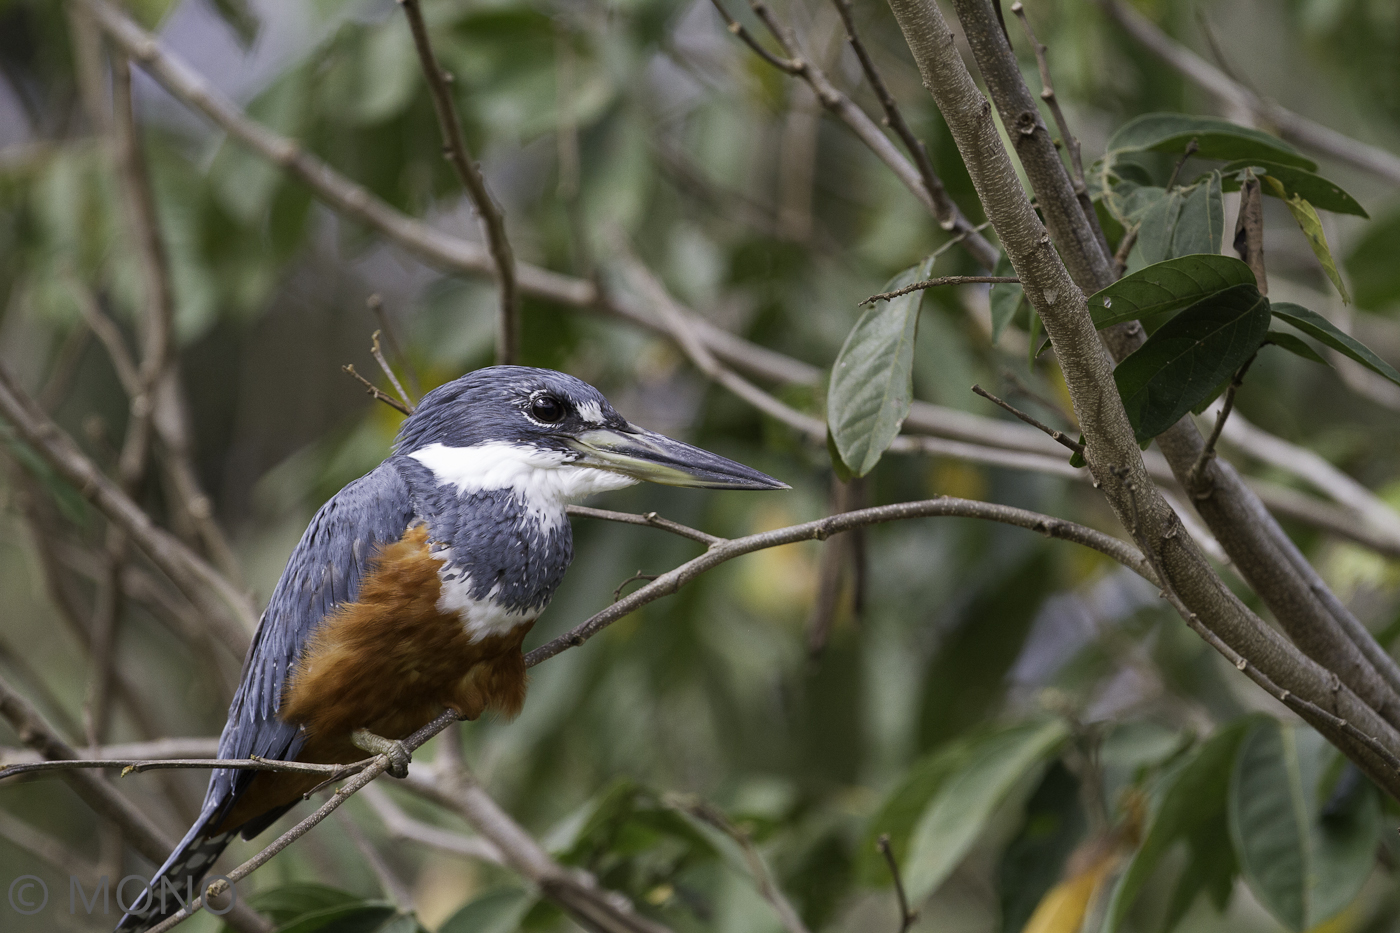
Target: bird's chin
x=656, y=458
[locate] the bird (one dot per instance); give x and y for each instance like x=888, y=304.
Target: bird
x=413, y=588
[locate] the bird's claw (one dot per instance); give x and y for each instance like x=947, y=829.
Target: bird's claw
x=395, y=750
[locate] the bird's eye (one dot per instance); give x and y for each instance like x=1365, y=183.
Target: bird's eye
x=547, y=408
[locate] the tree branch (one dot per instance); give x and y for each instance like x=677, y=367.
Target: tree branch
x=943, y=280
x=492, y=220
x=820, y=530
x=1112, y=452
x=1232, y=94
x=947, y=214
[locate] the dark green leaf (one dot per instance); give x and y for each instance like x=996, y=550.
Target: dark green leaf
x=1189, y=797
x=1304, y=867
x=1005, y=299
x=1183, y=222
x=1035, y=859
x=239, y=18
x=1167, y=286
x=1189, y=356
x=1034, y=345
x=1296, y=181
x=498, y=911
x=959, y=811
x=1217, y=139
x=872, y=381
x=1295, y=345
x=364, y=917
x=295, y=900
x=1076, y=459
x=843, y=472
x=1324, y=331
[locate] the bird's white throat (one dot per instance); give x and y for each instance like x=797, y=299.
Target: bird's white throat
x=544, y=481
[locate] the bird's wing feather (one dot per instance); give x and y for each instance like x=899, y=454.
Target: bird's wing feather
x=323, y=571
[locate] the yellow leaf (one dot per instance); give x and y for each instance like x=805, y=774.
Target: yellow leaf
x=1311, y=225
x=1063, y=907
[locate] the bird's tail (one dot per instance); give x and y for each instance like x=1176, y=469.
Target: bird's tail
x=176, y=882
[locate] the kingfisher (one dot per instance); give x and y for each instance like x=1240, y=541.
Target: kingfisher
x=413, y=588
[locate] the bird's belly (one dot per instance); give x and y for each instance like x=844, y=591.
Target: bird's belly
x=407, y=647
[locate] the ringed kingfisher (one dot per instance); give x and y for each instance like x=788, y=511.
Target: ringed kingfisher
x=413, y=588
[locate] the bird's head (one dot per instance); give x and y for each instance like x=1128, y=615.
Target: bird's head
x=522, y=415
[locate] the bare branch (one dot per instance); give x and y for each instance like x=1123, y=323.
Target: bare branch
x=737, y=28
x=402, y=826
x=135, y=751
x=820, y=530
x=138, y=765
x=894, y=119
x=389, y=371
x=1291, y=126
x=190, y=572
x=1113, y=454
x=576, y=891
x=386, y=324
x=372, y=770
x=1076, y=159
x=1196, y=479
x=944, y=280
x=906, y=915
x=493, y=222
x=374, y=392
x=947, y=214
x=649, y=519
x=1057, y=436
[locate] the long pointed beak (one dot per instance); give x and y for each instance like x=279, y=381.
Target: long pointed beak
x=657, y=458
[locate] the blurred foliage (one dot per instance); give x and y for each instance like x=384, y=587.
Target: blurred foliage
x=1029, y=723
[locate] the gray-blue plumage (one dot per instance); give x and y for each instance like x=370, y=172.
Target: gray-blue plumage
x=485, y=463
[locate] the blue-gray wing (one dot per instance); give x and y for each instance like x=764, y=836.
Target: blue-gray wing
x=323, y=571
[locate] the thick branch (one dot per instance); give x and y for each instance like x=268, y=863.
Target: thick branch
x=1112, y=452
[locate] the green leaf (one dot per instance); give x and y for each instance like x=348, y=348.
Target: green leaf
x=843, y=472
x=1189, y=356
x=362, y=917
x=1183, y=222
x=901, y=809
x=962, y=806
x=872, y=381
x=1323, y=330
x=1167, y=286
x=1005, y=299
x=1311, y=225
x=498, y=911
x=1295, y=345
x=1035, y=327
x=1303, y=866
x=1319, y=192
x=1034, y=861
x=1217, y=139
x=240, y=19
x=1189, y=797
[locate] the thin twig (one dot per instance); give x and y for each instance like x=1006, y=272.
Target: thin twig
x=389, y=371
x=894, y=119
x=157, y=749
x=373, y=390
x=376, y=306
x=1058, y=436
x=492, y=220
x=617, y=593
x=792, y=62
x=944, y=280
x=1071, y=144
x=138, y=765
x=737, y=28
x=402, y=826
x=1191, y=149
x=1196, y=479
x=906, y=915
x=649, y=519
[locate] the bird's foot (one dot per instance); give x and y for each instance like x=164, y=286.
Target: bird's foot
x=378, y=745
